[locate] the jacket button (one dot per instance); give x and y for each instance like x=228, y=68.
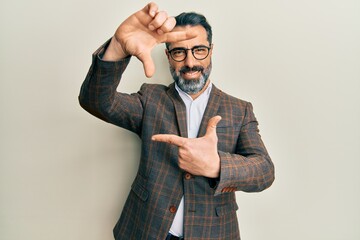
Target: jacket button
x=188, y=176
x=172, y=209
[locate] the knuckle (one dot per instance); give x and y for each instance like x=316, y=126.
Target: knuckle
x=181, y=154
x=162, y=14
x=185, y=144
x=159, y=19
x=168, y=25
x=181, y=164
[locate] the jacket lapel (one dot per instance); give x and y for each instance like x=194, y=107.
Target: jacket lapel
x=180, y=110
x=211, y=109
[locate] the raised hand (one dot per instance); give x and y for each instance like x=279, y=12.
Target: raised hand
x=198, y=156
x=141, y=32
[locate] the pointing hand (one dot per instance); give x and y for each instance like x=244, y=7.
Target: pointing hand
x=197, y=156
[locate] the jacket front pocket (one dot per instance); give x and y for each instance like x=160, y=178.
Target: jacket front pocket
x=225, y=209
x=139, y=189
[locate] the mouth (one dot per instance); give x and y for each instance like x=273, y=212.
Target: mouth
x=191, y=74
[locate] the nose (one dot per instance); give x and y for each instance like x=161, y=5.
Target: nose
x=190, y=60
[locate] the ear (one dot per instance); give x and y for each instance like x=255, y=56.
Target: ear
x=211, y=50
x=167, y=54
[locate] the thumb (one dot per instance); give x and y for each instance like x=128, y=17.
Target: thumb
x=148, y=63
x=211, y=127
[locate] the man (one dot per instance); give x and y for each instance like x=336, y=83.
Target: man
x=199, y=145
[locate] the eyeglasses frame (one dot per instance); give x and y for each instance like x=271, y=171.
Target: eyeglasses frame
x=192, y=52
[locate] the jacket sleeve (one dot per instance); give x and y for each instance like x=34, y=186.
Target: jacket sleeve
x=98, y=94
x=250, y=169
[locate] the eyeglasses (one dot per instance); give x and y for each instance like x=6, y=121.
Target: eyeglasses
x=180, y=54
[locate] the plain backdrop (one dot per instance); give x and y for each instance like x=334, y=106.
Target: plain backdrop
x=65, y=174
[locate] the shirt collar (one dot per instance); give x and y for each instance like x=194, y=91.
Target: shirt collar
x=183, y=94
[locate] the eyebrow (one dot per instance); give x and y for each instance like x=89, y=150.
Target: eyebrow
x=190, y=48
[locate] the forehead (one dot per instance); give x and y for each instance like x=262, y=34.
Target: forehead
x=200, y=39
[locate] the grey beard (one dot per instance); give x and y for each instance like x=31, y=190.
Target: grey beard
x=191, y=86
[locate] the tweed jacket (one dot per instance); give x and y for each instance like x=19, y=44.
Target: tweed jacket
x=210, y=204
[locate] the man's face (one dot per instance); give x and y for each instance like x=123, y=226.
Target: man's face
x=191, y=75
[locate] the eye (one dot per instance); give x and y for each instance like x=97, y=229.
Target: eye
x=177, y=52
x=200, y=50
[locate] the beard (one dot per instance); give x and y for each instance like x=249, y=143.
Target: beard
x=191, y=86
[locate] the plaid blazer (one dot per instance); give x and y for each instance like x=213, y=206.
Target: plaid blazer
x=210, y=204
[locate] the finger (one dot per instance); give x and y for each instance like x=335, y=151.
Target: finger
x=148, y=63
x=158, y=20
x=177, y=36
x=151, y=9
x=169, y=138
x=167, y=26
x=211, y=127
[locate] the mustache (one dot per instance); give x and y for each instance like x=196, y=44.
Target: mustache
x=186, y=69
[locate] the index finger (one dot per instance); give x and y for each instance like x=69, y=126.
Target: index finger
x=169, y=138
x=177, y=36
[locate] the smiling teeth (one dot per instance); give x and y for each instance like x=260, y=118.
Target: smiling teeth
x=191, y=73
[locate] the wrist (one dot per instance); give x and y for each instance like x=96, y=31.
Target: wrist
x=114, y=51
x=215, y=169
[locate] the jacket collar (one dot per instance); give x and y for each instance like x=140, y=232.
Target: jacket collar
x=180, y=109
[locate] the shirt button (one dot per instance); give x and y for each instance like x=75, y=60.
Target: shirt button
x=188, y=176
x=172, y=209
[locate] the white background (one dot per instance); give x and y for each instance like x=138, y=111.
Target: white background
x=65, y=174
